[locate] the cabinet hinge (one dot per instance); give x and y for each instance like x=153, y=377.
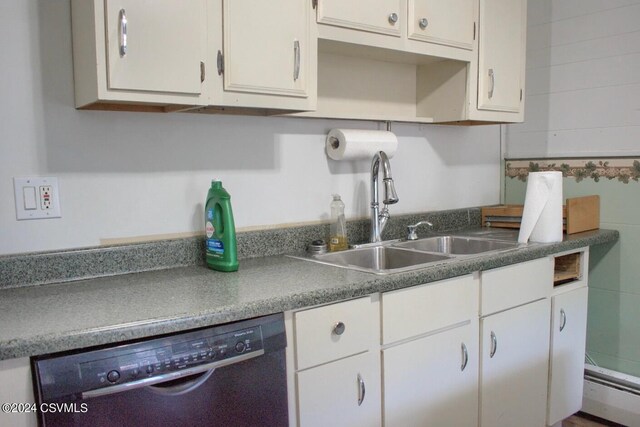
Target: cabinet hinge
x=474, y=30
x=520, y=94
x=220, y=63
x=314, y=3
x=202, y=72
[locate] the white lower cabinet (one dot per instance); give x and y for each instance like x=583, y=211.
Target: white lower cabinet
x=514, y=366
x=17, y=387
x=433, y=380
x=333, y=364
x=341, y=393
x=498, y=348
x=568, y=341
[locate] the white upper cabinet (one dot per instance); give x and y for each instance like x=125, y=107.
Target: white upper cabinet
x=267, y=46
x=377, y=16
x=155, y=45
x=139, y=51
x=162, y=55
x=450, y=23
x=442, y=61
x=501, y=55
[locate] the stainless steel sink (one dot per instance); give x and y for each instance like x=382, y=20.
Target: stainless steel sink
x=456, y=245
x=380, y=259
x=396, y=256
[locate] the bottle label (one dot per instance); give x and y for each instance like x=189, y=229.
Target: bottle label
x=215, y=247
x=210, y=229
x=210, y=214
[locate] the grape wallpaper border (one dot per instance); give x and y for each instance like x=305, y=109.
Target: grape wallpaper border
x=622, y=169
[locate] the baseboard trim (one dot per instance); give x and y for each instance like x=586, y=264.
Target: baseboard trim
x=611, y=403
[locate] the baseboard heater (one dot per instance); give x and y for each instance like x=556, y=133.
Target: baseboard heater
x=611, y=395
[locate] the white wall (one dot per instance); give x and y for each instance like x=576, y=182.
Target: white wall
x=583, y=80
x=140, y=174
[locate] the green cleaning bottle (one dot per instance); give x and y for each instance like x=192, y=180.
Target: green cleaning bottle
x=221, y=247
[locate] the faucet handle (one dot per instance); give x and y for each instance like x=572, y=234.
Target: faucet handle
x=411, y=229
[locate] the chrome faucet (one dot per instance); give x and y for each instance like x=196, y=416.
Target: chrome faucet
x=379, y=219
x=411, y=229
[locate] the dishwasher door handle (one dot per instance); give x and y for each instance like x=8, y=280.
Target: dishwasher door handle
x=145, y=382
x=184, y=388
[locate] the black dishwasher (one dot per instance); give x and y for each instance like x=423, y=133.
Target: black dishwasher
x=226, y=375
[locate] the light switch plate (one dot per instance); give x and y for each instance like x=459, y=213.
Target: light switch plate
x=36, y=198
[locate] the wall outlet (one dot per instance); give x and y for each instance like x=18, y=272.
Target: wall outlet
x=36, y=198
x=45, y=197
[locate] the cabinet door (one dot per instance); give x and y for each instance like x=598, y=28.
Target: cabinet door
x=155, y=45
x=514, y=366
x=444, y=22
x=366, y=15
x=568, y=341
x=342, y=393
x=433, y=380
x=266, y=46
x=15, y=375
x=501, y=54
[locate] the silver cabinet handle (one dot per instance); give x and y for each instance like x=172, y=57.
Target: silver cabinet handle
x=563, y=319
x=494, y=344
x=465, y=357
x=492, y=76
x=393, y=18
x=123, y=32
x=296, y=61
x=220, y=63
x=423, y=23
x=339, y=328
x=361, y=390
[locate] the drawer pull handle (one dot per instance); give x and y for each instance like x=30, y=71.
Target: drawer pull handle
x=563, y=319
x=423, y=23
x=393, y=18
x=465, y=357
x=361, y=390
x=494, y=344
x=339, y=328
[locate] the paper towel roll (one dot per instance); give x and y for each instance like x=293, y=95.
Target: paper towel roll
x=350, y=144
x=542, y=215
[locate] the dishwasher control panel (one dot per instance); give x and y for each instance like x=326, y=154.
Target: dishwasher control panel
x=150, y=362
x=133, y=365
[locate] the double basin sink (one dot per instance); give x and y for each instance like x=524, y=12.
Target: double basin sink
x=398, y=256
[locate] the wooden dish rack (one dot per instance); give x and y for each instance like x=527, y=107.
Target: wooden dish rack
x=579, y=214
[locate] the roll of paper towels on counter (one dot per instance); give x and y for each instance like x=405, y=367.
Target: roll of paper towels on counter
x=542, y=214
x=352, y=144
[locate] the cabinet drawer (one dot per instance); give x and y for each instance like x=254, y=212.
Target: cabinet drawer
x=511, y=286
x=421, y=309
x=319, y=339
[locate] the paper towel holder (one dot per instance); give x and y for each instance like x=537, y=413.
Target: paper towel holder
x=335, y=142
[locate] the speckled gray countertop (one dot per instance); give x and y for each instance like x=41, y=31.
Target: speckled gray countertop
x=38, y=320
